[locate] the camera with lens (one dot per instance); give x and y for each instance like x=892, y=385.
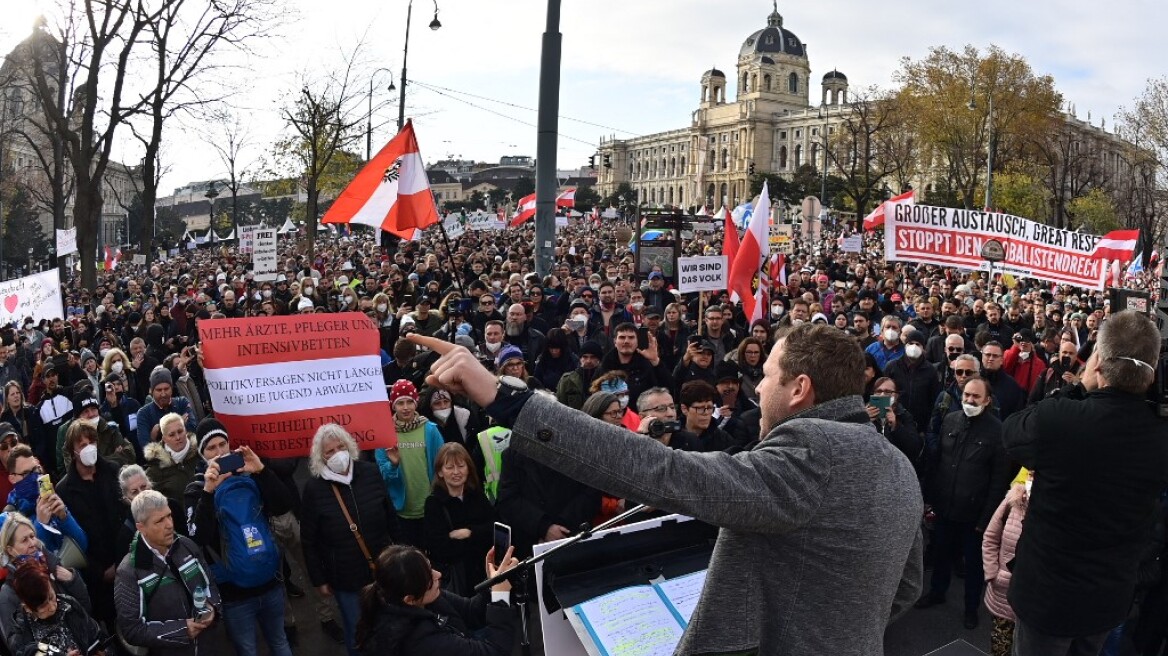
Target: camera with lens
x=657, y=427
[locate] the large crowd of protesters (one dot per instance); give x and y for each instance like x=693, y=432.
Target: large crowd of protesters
x=122, y=530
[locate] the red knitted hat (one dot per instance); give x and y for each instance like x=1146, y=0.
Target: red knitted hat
x=403, y=388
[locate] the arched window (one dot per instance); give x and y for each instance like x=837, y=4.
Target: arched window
x=766, y=82
x=793, y=83
x=652, y=195
x=710, y=193
x=664, y=166
x=754, y=81
x=783, y=157
x=681, y=196
x=798, y=155
x=682, y=172
x=713, y=159
x=671, y=195
x=725, y=196
x=672, y=167
x=630, y=169
x=725, y=159
x=814, y=161
x=638, y=170
x=745, y=83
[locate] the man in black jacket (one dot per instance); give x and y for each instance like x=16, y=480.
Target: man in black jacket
x=1009, y=397
x=1100, y=457
x=643, y=368
x=917, y=380
x=968, y=484
x=243, y=606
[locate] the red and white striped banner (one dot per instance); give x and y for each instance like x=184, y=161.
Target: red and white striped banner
x=275, y=380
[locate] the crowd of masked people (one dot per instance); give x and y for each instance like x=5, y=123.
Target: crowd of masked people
x=135, y=525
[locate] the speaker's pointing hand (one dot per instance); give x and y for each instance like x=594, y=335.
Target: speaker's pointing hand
x=458, y=371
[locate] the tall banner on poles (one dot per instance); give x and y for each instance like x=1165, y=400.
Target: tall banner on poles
x=946, y=236
x=275, y=380
x=264, y=256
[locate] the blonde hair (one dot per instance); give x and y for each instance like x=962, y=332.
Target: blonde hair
x=169, y=418
x=13, y=521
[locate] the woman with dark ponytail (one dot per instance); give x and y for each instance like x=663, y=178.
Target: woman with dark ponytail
x=405, y=611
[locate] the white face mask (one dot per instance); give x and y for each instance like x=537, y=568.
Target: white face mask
x=913, y=351
x=103, y=353
x=267, y=293
x=306, y=291
x=338, y=463
x=88, y=455
x=577, y=322
x=117, y=367
x=443, y=414
x=1024, y=355
x=638, y=306
x=972, y=410
x=776, y=310
x=623, y=400
x=493, y=347
x=382, y=307
x=891, y=334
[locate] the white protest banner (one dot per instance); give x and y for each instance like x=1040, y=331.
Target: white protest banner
x=247, y=239
x=275, y=380
x=947, y=236
x=780, y=237
x=454, y=227
x=139, y=259
x=66, y=242
x=852, y=244
x=484, y=221
x=701, y=274
x=37, y=296
x=264, y=258
x=561, y=221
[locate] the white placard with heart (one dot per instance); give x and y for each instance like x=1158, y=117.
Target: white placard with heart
x=37, y=296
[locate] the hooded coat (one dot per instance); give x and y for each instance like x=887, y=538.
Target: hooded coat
x=997, y=549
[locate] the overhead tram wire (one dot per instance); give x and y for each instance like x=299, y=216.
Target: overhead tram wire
x=500, y=114
x=440, y=89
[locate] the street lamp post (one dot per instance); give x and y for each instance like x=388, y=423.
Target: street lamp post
x=212, y=194
x=369, y=118
x=989, y=194
x=434, y=25
x=823, y=114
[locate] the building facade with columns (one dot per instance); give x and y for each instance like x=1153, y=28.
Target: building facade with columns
x=770, y=124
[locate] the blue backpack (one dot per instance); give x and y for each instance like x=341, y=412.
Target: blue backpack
x=248, y=556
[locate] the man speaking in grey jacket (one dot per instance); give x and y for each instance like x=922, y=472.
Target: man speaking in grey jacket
x=820, y=544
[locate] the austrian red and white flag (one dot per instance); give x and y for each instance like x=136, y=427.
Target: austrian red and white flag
x=526, y=208
x=779, y=269
x=391, y=192
x=876, y=218
x=523, y=211
x=755, y=247
x=275, y=380
x=1118, y=245
x=112, y=256
x=729, y=244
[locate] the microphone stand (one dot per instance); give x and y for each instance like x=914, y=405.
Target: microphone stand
x=519, y=575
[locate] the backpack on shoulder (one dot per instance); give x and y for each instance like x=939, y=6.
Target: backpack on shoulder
x=248, y=556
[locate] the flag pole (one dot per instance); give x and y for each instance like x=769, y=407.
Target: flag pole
x=450, y=256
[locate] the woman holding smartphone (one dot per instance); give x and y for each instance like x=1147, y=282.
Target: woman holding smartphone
x=893, y=420
x=405, y=610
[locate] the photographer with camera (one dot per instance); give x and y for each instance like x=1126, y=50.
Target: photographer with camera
x=659, y=420
x=1101, y=457
x=1062, y=373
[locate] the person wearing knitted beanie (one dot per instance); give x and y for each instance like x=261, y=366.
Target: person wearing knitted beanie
x=408, y=467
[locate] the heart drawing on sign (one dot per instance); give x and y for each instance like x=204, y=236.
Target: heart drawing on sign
x=10, y=302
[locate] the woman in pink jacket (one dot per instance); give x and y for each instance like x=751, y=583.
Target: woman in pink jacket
x=997, y=549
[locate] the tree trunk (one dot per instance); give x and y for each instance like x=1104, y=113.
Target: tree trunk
x=310, y=206
x=86, y=212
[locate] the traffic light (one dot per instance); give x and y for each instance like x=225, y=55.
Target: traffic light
x=608, y=161
x=592, y=161
x=752, y=168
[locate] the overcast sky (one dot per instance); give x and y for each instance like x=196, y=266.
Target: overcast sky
x=635, y=66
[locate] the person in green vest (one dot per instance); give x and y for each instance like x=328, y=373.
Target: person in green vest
x=408, y=467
